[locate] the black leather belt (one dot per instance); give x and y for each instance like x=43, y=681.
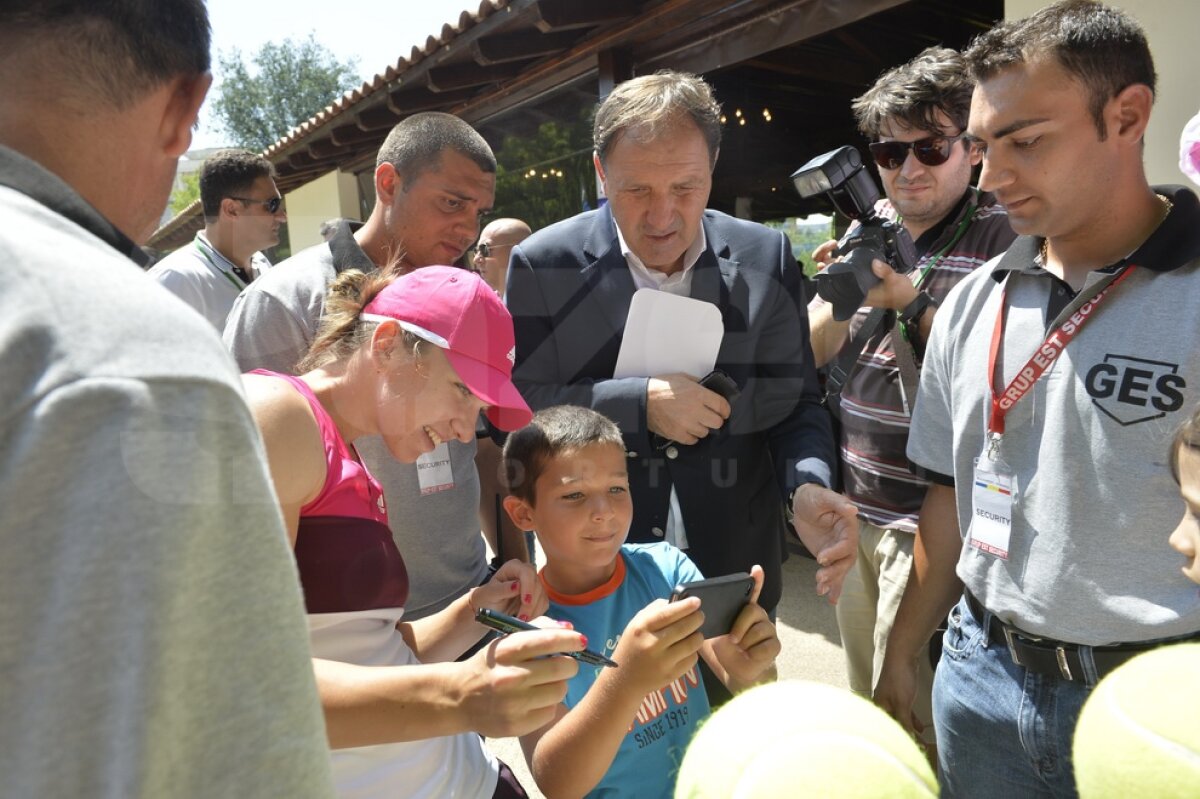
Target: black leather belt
x=1060, y=658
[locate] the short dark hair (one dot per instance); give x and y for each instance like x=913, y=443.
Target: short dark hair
x=1188, y=435
x=651, y=104
x=913, y=93
x=118, y=50
x=1101, y=47
x=230, y=173
x=415, y=145
x=551, y=432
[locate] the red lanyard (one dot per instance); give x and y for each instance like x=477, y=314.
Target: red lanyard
x=1043, y=357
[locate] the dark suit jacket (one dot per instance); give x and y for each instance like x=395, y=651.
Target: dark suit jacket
x=569, y=292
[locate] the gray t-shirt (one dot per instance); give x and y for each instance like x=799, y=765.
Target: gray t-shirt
x=271, y=327
x=152, y=632
x=1095, y=502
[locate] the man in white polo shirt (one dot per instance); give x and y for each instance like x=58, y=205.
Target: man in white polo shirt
x=242, y=215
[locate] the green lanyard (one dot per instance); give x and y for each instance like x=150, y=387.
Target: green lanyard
x=958, y=234
x=230, y=276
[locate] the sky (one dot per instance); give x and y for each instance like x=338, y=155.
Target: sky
x=347, y=28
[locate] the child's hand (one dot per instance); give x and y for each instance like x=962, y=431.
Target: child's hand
x=514, y=589
x=658, y=645
x=748, y=652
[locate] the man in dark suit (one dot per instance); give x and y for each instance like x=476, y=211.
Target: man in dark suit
x=707, y=476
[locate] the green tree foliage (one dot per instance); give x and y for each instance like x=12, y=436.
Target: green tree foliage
x=547, y=176
x=805, y=237
x=187, y=192
x=288, y=83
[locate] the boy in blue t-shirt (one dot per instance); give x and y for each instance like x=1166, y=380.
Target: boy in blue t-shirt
x=620, y=731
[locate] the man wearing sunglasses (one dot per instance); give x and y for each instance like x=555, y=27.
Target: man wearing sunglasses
x=490, y=256
x=914, y=116
x=242, y=215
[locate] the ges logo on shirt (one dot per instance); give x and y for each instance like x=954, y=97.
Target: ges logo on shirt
x=1130, y=390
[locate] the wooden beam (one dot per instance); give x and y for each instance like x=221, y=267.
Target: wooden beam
x=556, y=15
x=613, y=66
x=377, y=118
x=351, y=134
x=413, y=101
x=504, y=47
x=462, y=76
x=324, y=148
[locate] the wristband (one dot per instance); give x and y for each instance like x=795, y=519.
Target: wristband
x=915, y=309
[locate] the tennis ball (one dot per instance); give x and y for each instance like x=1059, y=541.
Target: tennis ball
x=1139, y=731
x=793, y=738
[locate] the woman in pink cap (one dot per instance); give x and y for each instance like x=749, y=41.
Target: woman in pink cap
x=412, y=359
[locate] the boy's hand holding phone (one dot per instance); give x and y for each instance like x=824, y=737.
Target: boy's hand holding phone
x=748, y=652
x=658, y=645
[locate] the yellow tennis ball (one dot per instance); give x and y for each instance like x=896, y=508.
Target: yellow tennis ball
x=793, y=738
x=1139, y=732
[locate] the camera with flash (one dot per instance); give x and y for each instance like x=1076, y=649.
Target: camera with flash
x=839, y=174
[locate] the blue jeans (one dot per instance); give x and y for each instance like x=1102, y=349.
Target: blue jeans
x=1002, y=731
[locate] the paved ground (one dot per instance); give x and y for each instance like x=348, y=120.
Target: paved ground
x=807, y=630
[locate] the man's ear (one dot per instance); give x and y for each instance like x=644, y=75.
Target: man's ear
x=600, y=171
x=230, y=207
x=1128, y=113
x=185, y=95
x=387, y=183
x=520, y=511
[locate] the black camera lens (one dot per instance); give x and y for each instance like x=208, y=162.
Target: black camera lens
x=844, y=284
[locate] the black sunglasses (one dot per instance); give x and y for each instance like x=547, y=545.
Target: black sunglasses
x=485, y=250
x=931, y=151
x=272, y=205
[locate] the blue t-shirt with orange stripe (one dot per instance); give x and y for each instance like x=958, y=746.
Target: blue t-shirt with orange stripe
x=647, y=762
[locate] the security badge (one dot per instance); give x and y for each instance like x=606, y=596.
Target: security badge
x=992, y=496
x=434, y=473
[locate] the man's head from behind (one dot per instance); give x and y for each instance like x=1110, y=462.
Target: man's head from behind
x=238, y=192
x=914, y=117
x=105, y=95
x=496, y=242
x=656, y=140
x=434, y=176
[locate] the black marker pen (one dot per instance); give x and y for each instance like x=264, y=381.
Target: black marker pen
x=507, y=624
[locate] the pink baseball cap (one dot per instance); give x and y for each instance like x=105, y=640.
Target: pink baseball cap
x=456, y=310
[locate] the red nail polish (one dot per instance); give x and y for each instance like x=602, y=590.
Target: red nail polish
x=584, y=639
x=529, y=599
x=523, y=617
x=516, y=586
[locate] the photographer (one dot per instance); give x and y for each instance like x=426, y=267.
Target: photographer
x=914, y=116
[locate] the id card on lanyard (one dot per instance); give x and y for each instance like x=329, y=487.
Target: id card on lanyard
x=434, y=472
x=994, y=488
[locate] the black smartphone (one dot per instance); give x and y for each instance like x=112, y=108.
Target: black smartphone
x=721, y=599
x=721, y=383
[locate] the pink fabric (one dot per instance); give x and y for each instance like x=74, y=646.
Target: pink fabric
x=349, y=488
x=1189, y=150
x=457, y=311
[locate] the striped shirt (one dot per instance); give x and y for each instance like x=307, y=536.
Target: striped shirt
x=874, y=416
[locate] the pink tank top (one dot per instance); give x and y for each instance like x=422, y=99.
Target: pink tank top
x=345, y=553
